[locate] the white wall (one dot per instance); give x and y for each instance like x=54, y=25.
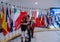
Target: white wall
x=41, y=3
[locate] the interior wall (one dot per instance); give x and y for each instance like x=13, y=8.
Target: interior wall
x=30, y=3
x=42, y=4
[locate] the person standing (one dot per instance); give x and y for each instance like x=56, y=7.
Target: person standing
x=29, y=26
x=24, y=29
x=32, y=26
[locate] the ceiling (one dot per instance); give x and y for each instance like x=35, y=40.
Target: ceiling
x=35, y=3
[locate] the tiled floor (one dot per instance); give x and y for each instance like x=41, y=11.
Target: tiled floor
x=45, y=36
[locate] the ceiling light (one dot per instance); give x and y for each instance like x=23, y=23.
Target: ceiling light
x=36, y=3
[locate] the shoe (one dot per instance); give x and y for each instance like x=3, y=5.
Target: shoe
x=21, y=41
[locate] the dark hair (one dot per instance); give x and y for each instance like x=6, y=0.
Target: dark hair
x=24, y=18
x=28, y=16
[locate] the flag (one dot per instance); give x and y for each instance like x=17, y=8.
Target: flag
x=50, y=20
x=10, y=19
x=19, y=18
x=7, y=19
x=8, y=24
x=4, y=25
x=40, y=19
x=34, y=14
x=16, y=14
x=37, y=22
x=43, y=21
x=0, y=21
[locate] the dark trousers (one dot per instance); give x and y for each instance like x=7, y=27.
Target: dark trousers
x=32, y=32
x=29, y=34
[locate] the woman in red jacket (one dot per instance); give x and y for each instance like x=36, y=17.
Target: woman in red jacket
x=32, y=26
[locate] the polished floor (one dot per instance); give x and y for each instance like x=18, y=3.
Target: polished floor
x=43, y=36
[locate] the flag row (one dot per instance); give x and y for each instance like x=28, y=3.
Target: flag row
x=11, y=18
